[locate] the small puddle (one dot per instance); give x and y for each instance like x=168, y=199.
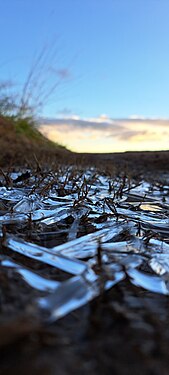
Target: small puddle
x=150, y=207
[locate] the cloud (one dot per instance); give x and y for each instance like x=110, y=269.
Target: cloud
x=107, y=134
x=136, y=117
x=75, y=123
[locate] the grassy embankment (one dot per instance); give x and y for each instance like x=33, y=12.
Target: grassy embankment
x=21, y=143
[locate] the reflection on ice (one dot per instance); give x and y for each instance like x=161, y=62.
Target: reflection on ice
x=150, y=207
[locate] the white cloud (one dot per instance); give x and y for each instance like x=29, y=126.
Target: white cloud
x=136, y=117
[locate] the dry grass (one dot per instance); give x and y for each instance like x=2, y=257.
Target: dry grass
x=22, y=144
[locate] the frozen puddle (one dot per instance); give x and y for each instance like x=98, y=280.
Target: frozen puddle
x=95, y=230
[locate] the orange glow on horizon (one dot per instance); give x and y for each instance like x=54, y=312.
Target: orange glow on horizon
x=96, y=137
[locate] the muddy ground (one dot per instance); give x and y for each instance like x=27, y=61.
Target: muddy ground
x=123, y=331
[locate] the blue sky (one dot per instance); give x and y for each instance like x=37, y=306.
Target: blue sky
x=114, y=53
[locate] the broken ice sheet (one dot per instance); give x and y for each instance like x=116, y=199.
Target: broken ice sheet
x=52, y=217
x=13, y=195
x=11, y=218
x=116, y=234
x=134, y=245
x=45, y=216
x=160, y=268
x=45, y=255
x=86, y=246
x=160, y=226
x=33, y=279
x=156, y=247
x=28, y=204
x=37, y=215
x=128, y=261
x=52, y=200
x=143, y=218
x=160, y=263
x=73, y=294
x=149, y=282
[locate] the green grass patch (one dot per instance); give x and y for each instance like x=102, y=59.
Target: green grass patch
x=27, y=128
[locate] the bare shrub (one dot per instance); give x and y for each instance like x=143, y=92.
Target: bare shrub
x=42, y=81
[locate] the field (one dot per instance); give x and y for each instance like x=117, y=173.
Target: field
x=84, y=260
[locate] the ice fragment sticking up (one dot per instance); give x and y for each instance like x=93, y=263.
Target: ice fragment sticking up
x=86, y=246
x=44, y=255
x=27, y=204
x=53, y=217
x=149, y=282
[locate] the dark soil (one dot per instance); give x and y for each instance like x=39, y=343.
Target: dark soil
x=124, y=332
x=147, y=163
